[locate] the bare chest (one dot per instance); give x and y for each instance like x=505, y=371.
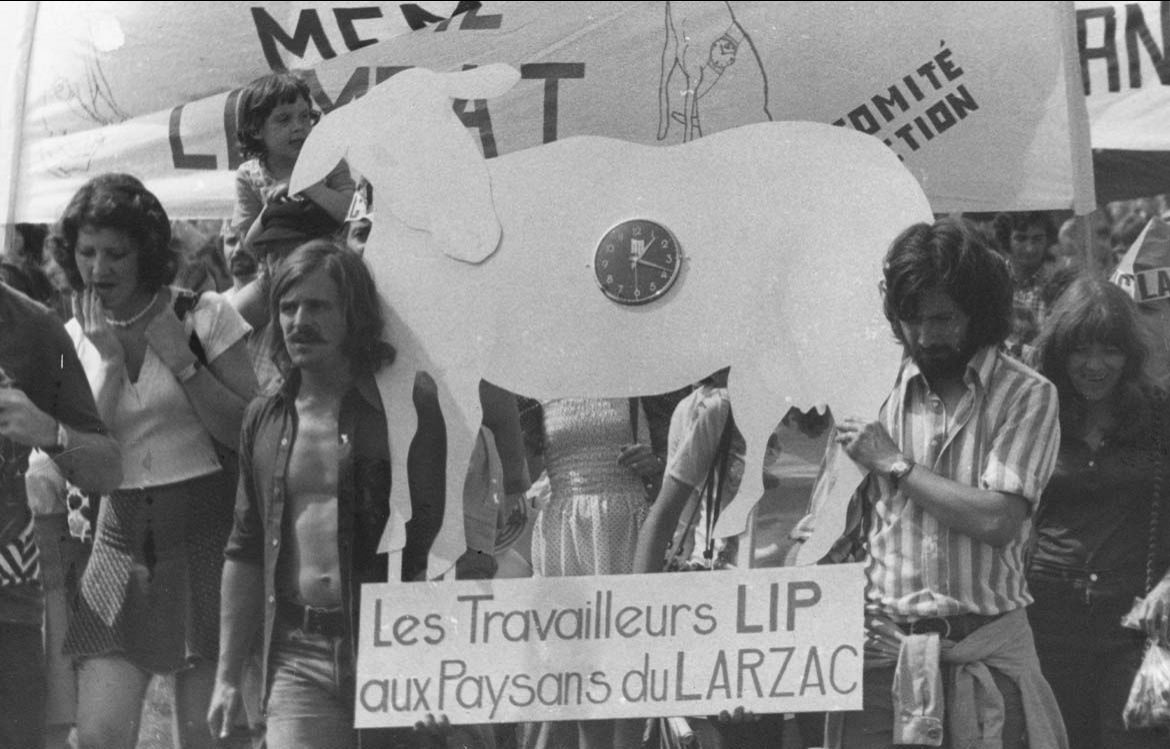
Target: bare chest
x=313, y=462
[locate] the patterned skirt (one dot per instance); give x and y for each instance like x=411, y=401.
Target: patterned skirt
x=151, y=590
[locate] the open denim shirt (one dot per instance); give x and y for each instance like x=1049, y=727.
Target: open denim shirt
x=363, y=490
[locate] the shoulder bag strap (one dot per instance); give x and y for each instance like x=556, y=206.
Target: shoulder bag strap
x=713, y=490
x=185, y=301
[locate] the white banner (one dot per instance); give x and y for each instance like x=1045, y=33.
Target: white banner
x=94, y=85
x=1125, y=71
x=1125, y=68
x=769, y=640
x=981, y=100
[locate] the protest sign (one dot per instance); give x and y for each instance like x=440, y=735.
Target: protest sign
x=502, y=252
x=1144, y=273
x=770, y=640
x=1125, y=70
x=83, y=80
x=980, y=100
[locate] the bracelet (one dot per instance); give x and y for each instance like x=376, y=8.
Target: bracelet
x=188, y=372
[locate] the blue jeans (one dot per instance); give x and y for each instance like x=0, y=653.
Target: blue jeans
x=310, y=702
x=1089, y=658
x=311, y=693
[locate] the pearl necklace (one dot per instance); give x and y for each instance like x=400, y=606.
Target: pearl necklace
x=135, y=318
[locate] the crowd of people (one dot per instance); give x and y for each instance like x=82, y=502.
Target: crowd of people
x=209, y=422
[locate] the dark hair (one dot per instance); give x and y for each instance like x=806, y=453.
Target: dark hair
x=257, y=100
x=1093, y=310
x=1007, y=223
x=122, y=203
x=33, y=243
x=362, y=309
x=242, y=263
x=949, y=255
x=205, y=263
x=1126, y=231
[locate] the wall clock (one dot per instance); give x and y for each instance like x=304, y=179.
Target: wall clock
x=637, y=261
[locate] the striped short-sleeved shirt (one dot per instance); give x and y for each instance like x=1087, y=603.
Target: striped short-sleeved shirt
x=1003, y=436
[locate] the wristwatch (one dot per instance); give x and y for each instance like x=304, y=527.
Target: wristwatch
x=900, y=469
x=62, y=441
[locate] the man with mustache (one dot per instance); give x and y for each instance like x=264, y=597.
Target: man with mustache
x=312, y=504
x=957, y=459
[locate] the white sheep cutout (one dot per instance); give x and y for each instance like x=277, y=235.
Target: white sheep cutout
x=486, y=267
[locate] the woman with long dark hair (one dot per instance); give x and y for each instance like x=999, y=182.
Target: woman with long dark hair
x=1103, y=525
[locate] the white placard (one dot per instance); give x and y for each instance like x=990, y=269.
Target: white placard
x=771, y=640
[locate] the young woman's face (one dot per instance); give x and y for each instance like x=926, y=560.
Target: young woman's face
x=1095, y=370
x=107, y=260
x=285, y=129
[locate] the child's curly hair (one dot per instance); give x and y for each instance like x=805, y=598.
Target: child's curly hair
x=257, y=100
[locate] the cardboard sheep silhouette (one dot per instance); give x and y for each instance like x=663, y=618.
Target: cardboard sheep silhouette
x=486, y=267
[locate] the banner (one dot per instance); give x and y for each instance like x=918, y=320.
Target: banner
x=617, y=646
x=1144, y=272
x=96, y=80
x=1125, y=71
x=980, y=100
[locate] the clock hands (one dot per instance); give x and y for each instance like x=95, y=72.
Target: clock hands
x=654, y=265
x=646, y=247
x=633, y=241
x=637, y=256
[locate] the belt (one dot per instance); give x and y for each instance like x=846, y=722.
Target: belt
x=952, y=628
x=1054, y=572
x=312, y=620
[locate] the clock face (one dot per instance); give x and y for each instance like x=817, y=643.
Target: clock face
x=637, y=261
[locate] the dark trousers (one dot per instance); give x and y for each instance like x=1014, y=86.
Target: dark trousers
x=1089, y=659
x=22, y=685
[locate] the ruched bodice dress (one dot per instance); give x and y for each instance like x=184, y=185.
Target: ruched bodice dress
x=590, y=525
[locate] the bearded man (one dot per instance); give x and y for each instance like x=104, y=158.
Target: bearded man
x=957, y=459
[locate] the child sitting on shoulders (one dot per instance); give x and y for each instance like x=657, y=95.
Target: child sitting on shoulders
x=275, y=116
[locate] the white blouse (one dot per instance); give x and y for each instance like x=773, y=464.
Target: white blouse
x=162, y=439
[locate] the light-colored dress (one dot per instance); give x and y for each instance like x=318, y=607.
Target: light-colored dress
x=591, y=522
x=590, y=525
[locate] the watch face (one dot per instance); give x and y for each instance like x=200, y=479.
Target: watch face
x=637, y=261
x=899, y=469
